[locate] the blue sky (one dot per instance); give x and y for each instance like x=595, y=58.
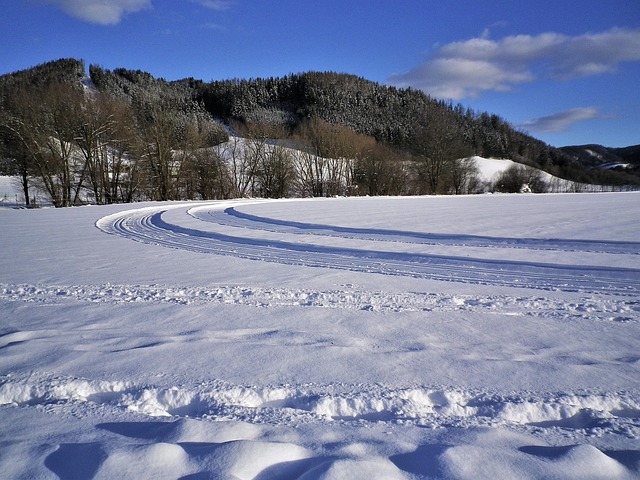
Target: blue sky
x=566, y=71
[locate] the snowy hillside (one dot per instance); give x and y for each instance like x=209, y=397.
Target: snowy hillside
x=9, y=191
x=454, y=337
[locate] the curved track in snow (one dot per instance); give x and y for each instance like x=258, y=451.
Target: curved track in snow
x=215, y=228
x=232, y=217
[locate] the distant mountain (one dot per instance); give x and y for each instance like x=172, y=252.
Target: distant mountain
x=624, y=160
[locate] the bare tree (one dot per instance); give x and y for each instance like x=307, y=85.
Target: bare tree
x=328, y=164
x=104, y=136
x=204, y=171
x=379, y=171
x=519, y=178
x=158, y=137
x=209, y=175
x=438, y=143
x=16, y=151
x=464, y=176
x=44, y=127
x=121, y=169
x=270, y=163
x=276, y=172
x=242, y=169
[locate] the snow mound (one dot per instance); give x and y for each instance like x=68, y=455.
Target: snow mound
x=500, y=454
x=346, y=469
x=490, y=168
x=158, y=460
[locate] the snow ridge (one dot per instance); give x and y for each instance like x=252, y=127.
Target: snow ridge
x=349, y=297
x=432, y=407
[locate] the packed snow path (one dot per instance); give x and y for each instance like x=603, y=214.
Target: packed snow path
x=223, y=231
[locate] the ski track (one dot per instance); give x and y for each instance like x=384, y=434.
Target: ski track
x=233, y=217
x=148, y=225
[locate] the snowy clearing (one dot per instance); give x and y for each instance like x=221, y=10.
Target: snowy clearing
x=491, y=336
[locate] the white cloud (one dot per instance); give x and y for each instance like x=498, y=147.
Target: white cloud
x=102, y=12
x=468, y=68
x=214, y=26
x=561, y=121
x=215, y=4
x=462, y=77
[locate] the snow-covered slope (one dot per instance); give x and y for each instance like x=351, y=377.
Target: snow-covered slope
x=490, y=336
x=8, y=190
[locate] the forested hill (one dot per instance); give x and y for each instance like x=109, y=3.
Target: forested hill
x=406, y=121
x=65, y=70
x=401, y=118
x=396, y=117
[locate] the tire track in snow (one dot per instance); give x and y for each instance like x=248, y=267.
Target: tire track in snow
x=149, y=225
x=234, y=218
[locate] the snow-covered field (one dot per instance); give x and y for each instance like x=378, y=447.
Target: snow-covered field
x=491, y=336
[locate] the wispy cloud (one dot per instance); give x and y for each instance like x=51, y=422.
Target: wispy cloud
x=102, y=12
x=471, y=67
x=215, y=4
x=561, y=121
x=215, y=26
